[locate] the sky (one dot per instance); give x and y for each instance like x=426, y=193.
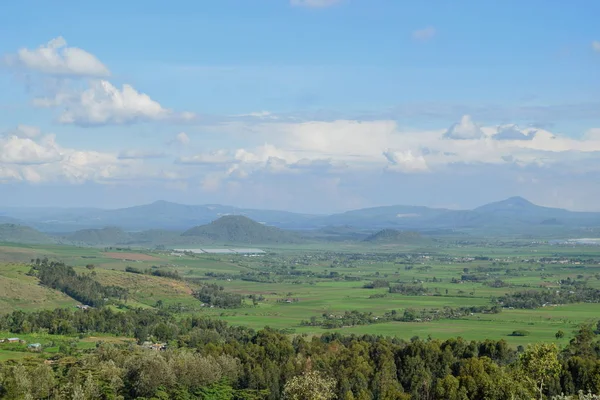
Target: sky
x=301, y=105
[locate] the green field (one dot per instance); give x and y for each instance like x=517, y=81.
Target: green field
x=330, y=281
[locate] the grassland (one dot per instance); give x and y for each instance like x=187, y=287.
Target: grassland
x=317, y=279
x=50, y=344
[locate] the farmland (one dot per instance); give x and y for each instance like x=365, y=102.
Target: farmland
x=291, y=285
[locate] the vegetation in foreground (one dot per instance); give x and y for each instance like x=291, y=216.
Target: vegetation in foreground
x=207, y=359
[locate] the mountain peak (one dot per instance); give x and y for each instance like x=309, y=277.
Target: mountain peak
x=517, y=201
x=240, y=229
x=512, y=204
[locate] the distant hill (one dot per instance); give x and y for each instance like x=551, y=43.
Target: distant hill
x=96, y=237
x=158, y=215
x=157, y=237
x=9, y=220
x=158, y=222
x=392, y=236
x=241, y=230
x=23, y=234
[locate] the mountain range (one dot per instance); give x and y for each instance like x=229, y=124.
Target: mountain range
x=149, y=222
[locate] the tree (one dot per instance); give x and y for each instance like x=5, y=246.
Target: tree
x=540, y=364
x=309, y=386
x=559, y=335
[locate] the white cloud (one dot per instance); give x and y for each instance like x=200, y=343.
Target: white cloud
x=405, y=161
x=262, y=154
x=424, y=34
x=56, y=58
x=342, y=139
x=102, y=103
x=313, y=3
x=596, y=45
x=259, y=115
x=358, y=146
x=19, y=150
x=512, y=132
x=41, y=159
x=181, y=138
x=465, y=129
x=139, y=154
x=215, y=157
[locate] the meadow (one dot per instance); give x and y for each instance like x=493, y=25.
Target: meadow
x=290, y=284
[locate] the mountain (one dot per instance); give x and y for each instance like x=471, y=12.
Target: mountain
x=15, y=233
x=157, y=215
x=392, y=236
x=241, y=230
x=161, y=220
x=96, y=237
x=173, y=216
x=518, y=207
x=386, y=216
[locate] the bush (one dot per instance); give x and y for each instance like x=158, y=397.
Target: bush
x=519, y=333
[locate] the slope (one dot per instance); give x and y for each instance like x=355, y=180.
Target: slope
x=392, y=236
x=97, y=237
x=242, y=230
x=23, y=234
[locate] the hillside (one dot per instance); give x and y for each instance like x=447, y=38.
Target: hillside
x=23, y=234
x=104, y=236
x=392, y=236
x=242, y=230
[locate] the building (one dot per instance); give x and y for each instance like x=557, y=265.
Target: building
x=34, y=347
x=154, y=346
x=13, y=340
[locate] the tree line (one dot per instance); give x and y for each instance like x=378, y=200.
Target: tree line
x=208, y=359
x=81, y=287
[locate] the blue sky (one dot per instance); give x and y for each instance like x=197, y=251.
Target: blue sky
x=308, y=105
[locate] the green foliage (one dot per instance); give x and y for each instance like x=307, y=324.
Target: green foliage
x=520, y=333
x=15, y=233
x=216, y=295
x=536, y=298
x=379, y=283
x=408, y=289
x=309, y=386
x=83, y=288
x=540, y=364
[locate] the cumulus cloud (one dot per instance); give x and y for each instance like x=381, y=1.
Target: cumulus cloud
x=56, y=58
x=42, y=159
x=424, y=34
x=24, y=151
x=104, y=104
x=100, y=103
x=181, y=139
x=405, y=161
x=464, y=130
x=313, y=3
x=512, y=132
